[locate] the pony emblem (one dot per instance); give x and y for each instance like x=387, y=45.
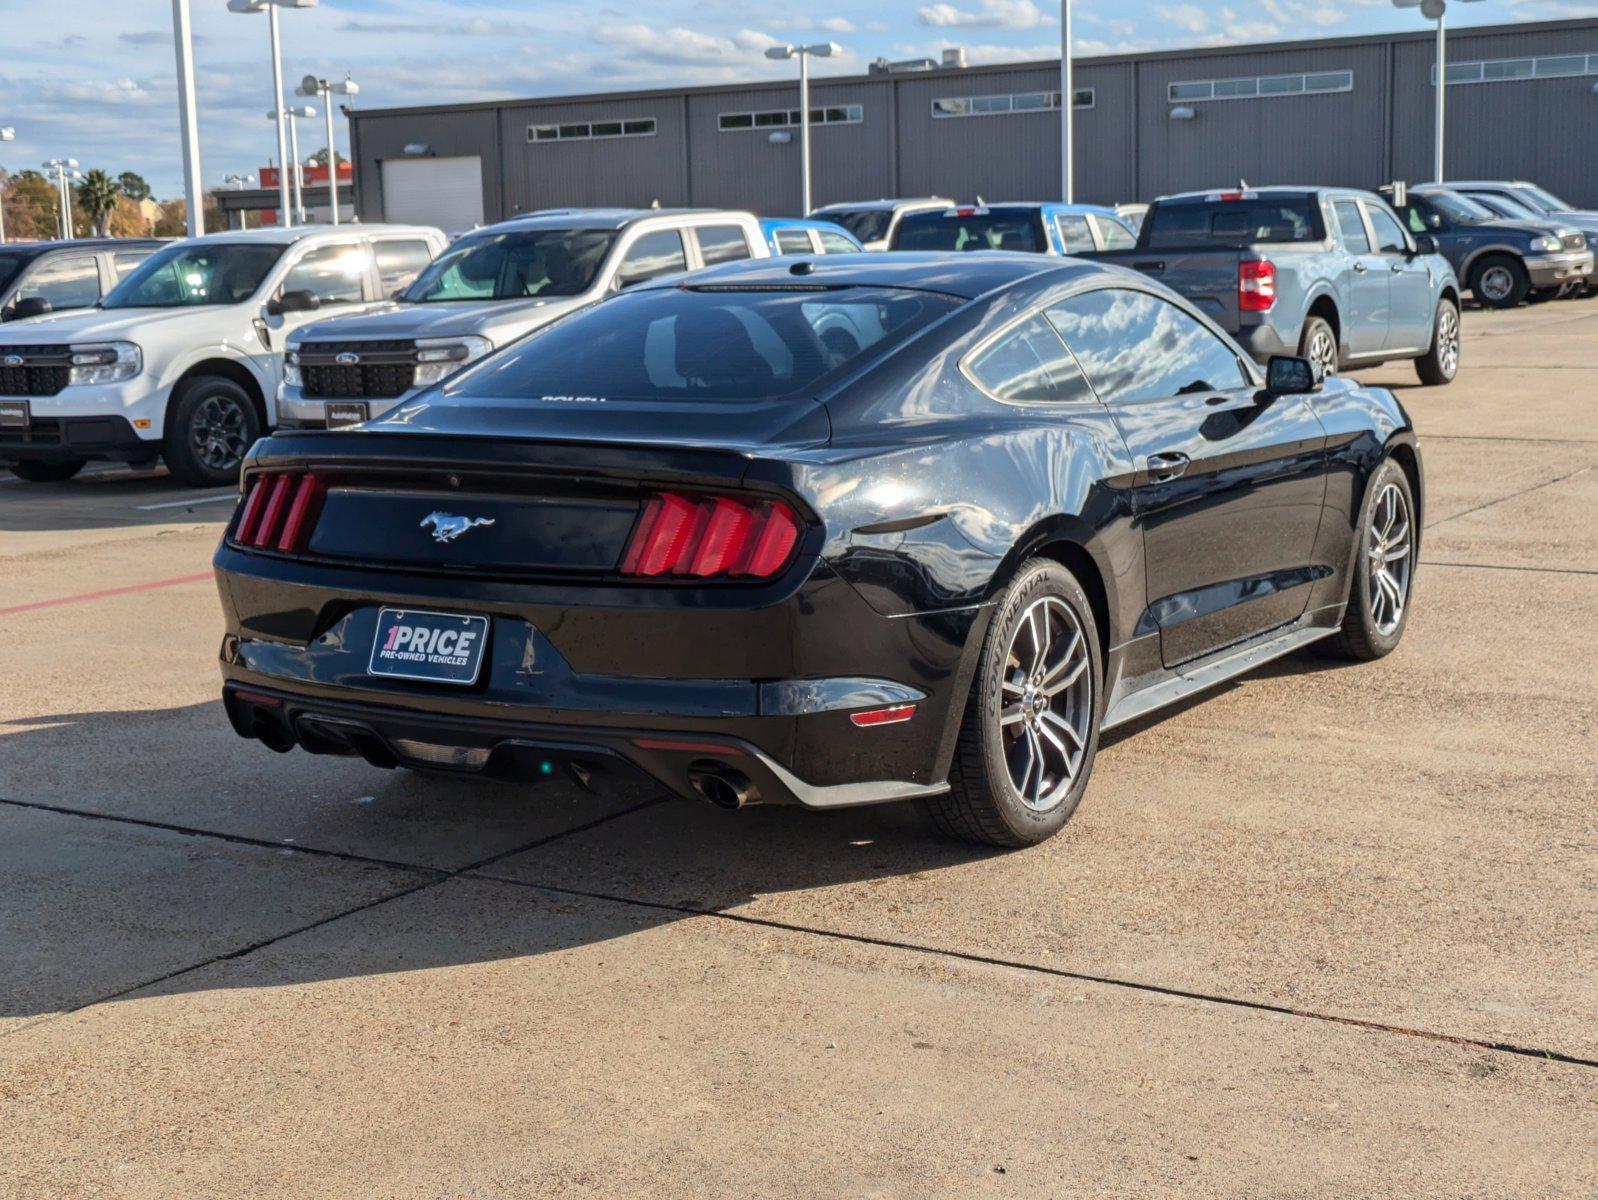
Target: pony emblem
x=447, y=527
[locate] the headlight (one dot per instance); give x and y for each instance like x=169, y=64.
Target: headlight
x=105, y=362
x=291, y=366
x=1546, y=244
x=439, y=358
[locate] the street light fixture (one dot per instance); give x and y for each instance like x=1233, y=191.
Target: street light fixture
x=270, y=7
x=7, y=134
x=311, y=85
x=60, y=167
x=1433, y=10
x=804, y=54
x=293, y=115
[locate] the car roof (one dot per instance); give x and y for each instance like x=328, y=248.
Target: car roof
x=966, y=275
x=1051, y=206
x=769, y=223
x=1485, y=183
x=884, y=204
x=274, y=235
x=601, y=218
x=35, y=249
x=1281, y=189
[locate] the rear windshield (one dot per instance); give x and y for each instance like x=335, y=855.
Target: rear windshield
x=989, y=229
x=1201, y=223
x=867, y=224
x=511, y=266
x=674, y=343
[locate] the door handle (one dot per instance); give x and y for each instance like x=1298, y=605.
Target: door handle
x=1396, y=268
x=1165, y=467
x=1361, y=267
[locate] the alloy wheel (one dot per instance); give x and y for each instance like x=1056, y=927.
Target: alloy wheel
x=1323, y=350
x=1389, y=554
x=1046, y=703
x=1497, y=282
x=1448, y=339
x=217, y=433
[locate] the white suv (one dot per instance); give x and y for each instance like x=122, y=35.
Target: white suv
x=183, y=358
x=488, y=289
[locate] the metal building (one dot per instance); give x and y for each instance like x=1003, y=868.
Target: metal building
x=1522, y=102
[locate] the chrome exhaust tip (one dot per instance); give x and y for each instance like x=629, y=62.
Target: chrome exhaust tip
x=724, y=788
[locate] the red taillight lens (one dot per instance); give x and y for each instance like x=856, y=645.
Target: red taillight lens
x=280, y=511
x=1256, y=286
x=709, y=536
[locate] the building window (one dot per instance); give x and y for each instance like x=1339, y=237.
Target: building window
x=1262, y=86
x=782, y=118
x=1013, y=102
x=1499, y=70
x=590, y=131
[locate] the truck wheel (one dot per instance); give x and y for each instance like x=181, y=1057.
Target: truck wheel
x=212, y=424
x=1441, y=363
x=1319, y=344
x=1499, y=281
x=36, y=470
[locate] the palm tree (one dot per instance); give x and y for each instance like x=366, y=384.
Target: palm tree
x=97, y=195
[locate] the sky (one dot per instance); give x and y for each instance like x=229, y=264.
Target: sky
x=94, y=79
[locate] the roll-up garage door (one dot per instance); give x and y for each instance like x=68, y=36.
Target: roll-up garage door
x=446, y=192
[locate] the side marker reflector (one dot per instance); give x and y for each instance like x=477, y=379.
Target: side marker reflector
x=894, y=714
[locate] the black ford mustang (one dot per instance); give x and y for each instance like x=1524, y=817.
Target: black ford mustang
x=860, y=529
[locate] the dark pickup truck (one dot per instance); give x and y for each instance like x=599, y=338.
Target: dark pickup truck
x=1330, y=274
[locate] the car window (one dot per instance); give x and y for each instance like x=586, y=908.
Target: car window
x=793, y=241
x=1135, y=346
x=653, y=255
x=1116, y=235
x=721, y=243
x=64, y=282
x=194, y=274
x=124, y=261
x=400, y=261
x=333, y=274
x=1390, y=238
x=514, y=265
x=971, y=229
x=1176, y=224
x=1412, y=216
x=836, y=243
x=1075, y=234
x=867, y=224
x=1352, y=226
x=1030, y=365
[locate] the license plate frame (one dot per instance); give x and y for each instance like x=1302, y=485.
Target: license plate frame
x=398, y=660
x=348, y=412
x=15, y=414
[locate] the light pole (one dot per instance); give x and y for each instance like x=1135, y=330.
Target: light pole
x=188, y=118
x=293, y=115
x=803, y=54
x=270, y=7
x=311, y=85
x=237, y=182
x=1434, y=10
x=1067, y=105
x=7, y=134
x=59, y=168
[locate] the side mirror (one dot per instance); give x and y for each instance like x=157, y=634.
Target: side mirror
x=293, y=302
x=1286, y=375
x=31, y=306
x=1433, y=221
x=1425, y=243
x=398, y=293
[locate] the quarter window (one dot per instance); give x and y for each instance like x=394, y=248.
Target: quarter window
x=836, y=243
x=399, y=262
x=64, y=282
x=1390, y=238
x=1075, y=234
x=1135, y=346
x=1030, y=365
x=653, y=255
x=1353, y=229
x=333, y=274
x=1116, y=235
x=721, y=243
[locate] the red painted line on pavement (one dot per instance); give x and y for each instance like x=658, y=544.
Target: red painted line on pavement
x=101, y=595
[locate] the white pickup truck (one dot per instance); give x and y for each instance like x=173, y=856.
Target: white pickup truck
x=182, y=360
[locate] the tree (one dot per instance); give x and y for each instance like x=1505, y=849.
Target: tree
x=133, y=186
x=174, y=220
x=319, y=159
x=127, y=218
x=97, y=195
x=32, y=210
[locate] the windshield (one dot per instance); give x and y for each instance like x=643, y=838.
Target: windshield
x=711, y=344
x=867, y=224
x=194, y=275
x=966, y=229
x=513, y=266
x=1543, y=198
x=1243, y=222
x=1505, y=207
x=1457, y=209
x=10, y=264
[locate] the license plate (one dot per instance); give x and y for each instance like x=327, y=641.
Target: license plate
x=346, y=414
x=14, y=414
x=435, y=647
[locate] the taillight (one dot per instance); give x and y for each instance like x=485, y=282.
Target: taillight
x=1256, y=285
x=280, y=511
x=702, y=537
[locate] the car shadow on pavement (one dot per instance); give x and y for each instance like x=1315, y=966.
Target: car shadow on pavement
x=112, y=499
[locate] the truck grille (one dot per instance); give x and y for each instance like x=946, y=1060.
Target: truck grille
x=385, y=370
x=1575, y=241
x=43, y=371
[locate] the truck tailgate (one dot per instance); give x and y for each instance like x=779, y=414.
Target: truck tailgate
x=1206, y=277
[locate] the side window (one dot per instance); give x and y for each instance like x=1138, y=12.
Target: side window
x=1390, y=238
x=1075, y=234
x=793, y=241
x=721, y=243
x=64, y=282
x=1030, y=365
x=1353, y=229
x=400, y=261
x=835, y=243
x=653, y=255
x=1116, y=235
x=1135, y=346
x=333, y=274
x=124, y=262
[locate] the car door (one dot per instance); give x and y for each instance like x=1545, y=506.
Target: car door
x=65, y=281
x=1365, y=316
x=1229, y=483
x=1409, y=276
x=649, y=256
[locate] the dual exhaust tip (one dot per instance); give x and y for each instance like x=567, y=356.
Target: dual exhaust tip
x=722, y=786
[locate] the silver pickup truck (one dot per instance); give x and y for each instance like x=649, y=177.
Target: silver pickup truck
x=1329, y=274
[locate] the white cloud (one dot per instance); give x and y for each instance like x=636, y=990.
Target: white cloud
x=682, y=46
x=1190, y=17
x=988, y=14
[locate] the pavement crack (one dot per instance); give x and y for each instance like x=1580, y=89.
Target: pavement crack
x=1427, y=562
x=1525, y=491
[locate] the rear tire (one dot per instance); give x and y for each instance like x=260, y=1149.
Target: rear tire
x=1318, y=343
x=1389, y=545
x=1031, y=725
x=36, y=470
x=1440, y=364
x=213, y=423
x=1499, y=281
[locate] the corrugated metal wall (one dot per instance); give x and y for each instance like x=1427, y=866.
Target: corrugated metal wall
x=1128, y=145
